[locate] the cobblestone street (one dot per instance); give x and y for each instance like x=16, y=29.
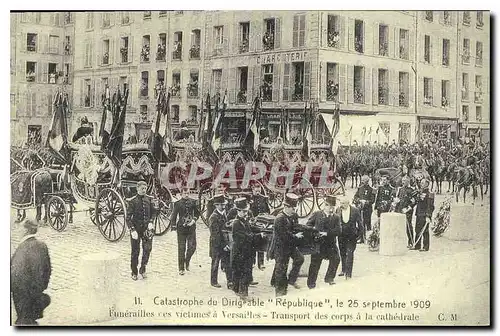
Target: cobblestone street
x=82, y=237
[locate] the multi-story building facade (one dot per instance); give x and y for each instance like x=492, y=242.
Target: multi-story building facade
x=473, y=71
x=42, y=48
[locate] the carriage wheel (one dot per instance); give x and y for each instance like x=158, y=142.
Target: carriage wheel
x=276, y=198
x=91, y=212
x=336, y=190
x=110, y=214
x=307, y=197
x=162, y=218
x=57, y=213
x=206, y=192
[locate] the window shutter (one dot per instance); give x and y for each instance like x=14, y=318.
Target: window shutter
x=23, y=70
x=250, y=94
x=252, y=37
x=235, y=40
x=26, y=103
x=350, y=31
x=436, y=87
x=350, y=83
x=114, y=17
x=295, y=31
x=411, y=90
x=225, y=39
x=277, y=40
x=324, y=30
x=70, y=73
x=45, y=74
x=323, y=73
x=34, y=105
x=61, y=19
x=258, y=34
x=112, y=50
x=368, y=87
x=92, y=93
x=232, y=85
x=302, y=30
x=393, y=88
x=375, y=85
x=391, y=41
x=343, y=32
x=396, y=43
x=307, y=81
x=342, y=82
x=131, y=49
x=256, y=80
x=98, y=93
x=91, y=53
x=276, y=81
x=411, y=46
x=376, y=39
x=130, y=99
x=286, y=81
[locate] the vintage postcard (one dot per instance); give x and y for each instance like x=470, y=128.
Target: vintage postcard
x=250, y=168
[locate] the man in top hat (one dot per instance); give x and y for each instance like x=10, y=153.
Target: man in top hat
x=363, y=199
x=30, y=271
x=242, y=252
x=259, y=205
x=384, y=196
x=351, y=228
x=404, y=202
x=84, y=130
x=140, y=215
x=217, y=221
x=328, y=225
x=283, y=246
x=184, y=217
x=423, y=214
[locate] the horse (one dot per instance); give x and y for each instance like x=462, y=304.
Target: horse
x=451, y=174
x=467, y=177
x=437, y=172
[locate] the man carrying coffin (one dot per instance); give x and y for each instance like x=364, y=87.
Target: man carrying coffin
x=328, y=225
x=217, y=222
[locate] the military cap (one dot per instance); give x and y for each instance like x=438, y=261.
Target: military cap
x=291, y=200
x=219, y=199
x=241, y=204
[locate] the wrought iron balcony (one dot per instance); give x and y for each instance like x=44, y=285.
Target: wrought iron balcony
x=466, y=58
x=192, y=90
x=428, y=100
x=403, y=99
x=383, y=96
x=176, y=90
x=478, y=97
x=242, y=96
x=194, y=52
x=244, y=46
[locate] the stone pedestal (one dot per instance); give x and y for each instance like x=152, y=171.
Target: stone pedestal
x=461, y=221
x=98, y=286
x=393, y=239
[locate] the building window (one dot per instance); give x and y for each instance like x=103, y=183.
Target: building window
x=359, y=36
x=429, y=16
x=479, y=19
x=447, y=18
x=332, y=80
x=404, y=132
x=30, y=72
x=146, y=45
x=31, y=42
x=52, y=75
x=267, y=82
x=87, y=93
x=144, y=110
x=428, y=91
x=243, y=85
x=244, y=36
x=479, y=53
x=67, y=45
x=383, y=40
x=445, y=93
x=269, y=34
x=194, y=52
x=147, y=15
x=298, y=89
x=404, y=89
x=404, y=44
x=177, y=53
x=466, y=52
x=479, y=114
x=54, y=44
x=66, y=79
x=193, y=114
x=105, y=54
x=176, y=84
x=427, y=49
x=125, y=18
x=175, y=113
x=106, y=20
x=216, y=80
x=465, y=86
x=90, y=21
x=160, y=82
x=124, y=49
x=162, y=13
x=359, y=84
x=299, y=30
x=446, y=52
x=478, y=93
x=193, y=84
x=162, y=48
x=466, y=18
x=218, y=40
x=383, y=87
x=333, y=31
x=144, y=84
x=465, y=113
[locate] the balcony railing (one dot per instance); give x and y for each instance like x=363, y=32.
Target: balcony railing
x=194, y=52
x=479, y=60
x=383, y=49
x=358, y=45
x=383, y=96
x=446, y=60
x=268, y=41
x=176, y=90
x=160, y=53
x=332, y=92
x=30, y=77
x=359, y=97
x=478, y=96
x=333, y=40
x=105, y=59
x=428, y=100
x=67, y=49
x=465, y=94
x=177, y=55
x=31, y=47
x=403, y=99
x=466, y=58
x=444, y=102
x=145, y=54
x=242, y=96
x=403, y=52
x=244, y=46
x=124, y=54
x=192, y=90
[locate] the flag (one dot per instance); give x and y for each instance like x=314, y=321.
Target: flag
x=113, y=149
x=335, y=127
x=58, y=132
x=160, y=127
x=307, y=141
x=224, y=100
x=200, y=127
x=252, y=138
x=208, y=122
x=106, y=119
x=217, y=131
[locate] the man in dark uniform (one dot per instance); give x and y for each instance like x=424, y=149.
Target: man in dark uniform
x=384, y=196
x=259, y=205
x=423, y=214
x=283, y=247
x=363, y=199
x=328, y=225
x=30, y=271
x=84, y=130
x=242, y=252
x=404, y=203
x=140, y=214
x=217, y=222
x=184, y=216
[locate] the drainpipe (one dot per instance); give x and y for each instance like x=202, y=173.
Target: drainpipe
x=415, y=71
